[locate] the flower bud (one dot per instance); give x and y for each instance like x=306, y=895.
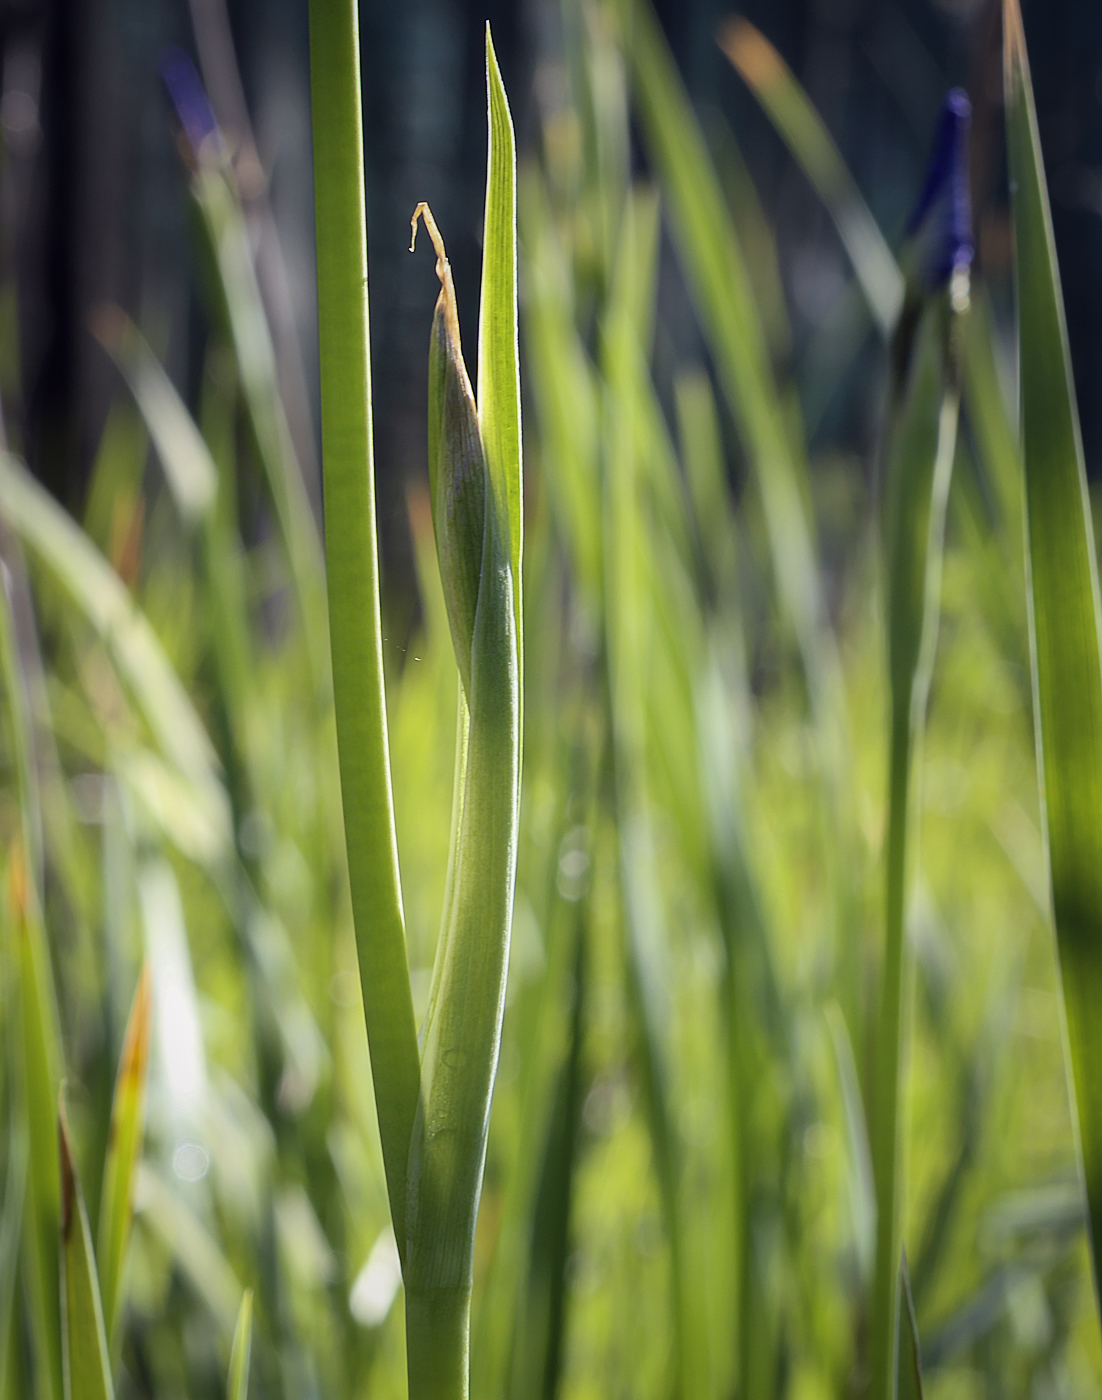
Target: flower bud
x=458, y=478
x=941, y=225
x=198, y=126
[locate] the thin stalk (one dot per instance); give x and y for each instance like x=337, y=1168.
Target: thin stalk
x=353, y=581
x=921, y=446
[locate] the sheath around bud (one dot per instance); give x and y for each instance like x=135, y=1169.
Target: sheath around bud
x=458, y=477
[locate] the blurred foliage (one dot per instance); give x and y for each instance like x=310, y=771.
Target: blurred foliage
x=678, y=1195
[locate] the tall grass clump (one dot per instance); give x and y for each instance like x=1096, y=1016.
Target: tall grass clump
x=433, y=1102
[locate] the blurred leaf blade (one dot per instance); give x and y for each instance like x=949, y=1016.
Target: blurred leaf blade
x=1064, y=615
x=242, y=1346
x=191, y=474
x=11, y=1235
x=123, y=1150
x=920, y=447
x=99, y=593
x=498, y=375
x=719, y=285
x=87, y=1368
x=803, y=131
x=908, y=1378
x=40, y=1052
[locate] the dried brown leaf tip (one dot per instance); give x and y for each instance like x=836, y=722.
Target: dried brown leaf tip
x=751, y=52
x=458, y=482
x=446, y=304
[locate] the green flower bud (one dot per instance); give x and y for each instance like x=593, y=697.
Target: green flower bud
x=459, y=482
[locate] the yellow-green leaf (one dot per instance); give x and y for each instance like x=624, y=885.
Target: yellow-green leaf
x=908, y=1373
x=498, y=377
x=87, y=1371
x=39, y=1049
x=123, y=1149
x=1064, y=614
x=242, y=1345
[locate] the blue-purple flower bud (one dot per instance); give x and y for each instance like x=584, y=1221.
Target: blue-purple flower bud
x=190, y=101
x=941, y=225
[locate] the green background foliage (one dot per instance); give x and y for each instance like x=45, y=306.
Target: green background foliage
x=679, y=1192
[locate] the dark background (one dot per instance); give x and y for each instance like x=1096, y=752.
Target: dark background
x=93, y=193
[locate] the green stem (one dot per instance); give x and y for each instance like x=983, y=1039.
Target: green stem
x=353, y=580
x=437, y=1345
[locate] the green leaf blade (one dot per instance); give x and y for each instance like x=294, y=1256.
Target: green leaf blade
x=803, y=131
x=908, y=1373
x=498, y=375
x=39, y=1050
x=87, y=1371
x=123, y=1150
x=1064, y=615
x=242, y=1346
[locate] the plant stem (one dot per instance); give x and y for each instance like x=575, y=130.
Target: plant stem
x=437, y=1343
x=353, y=580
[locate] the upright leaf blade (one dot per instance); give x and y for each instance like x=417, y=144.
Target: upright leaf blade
x=498, y=375
x=1064, y=616
x=123, y=1150
x=84, y=1342
x=40, y=1055
x=353, y=579
x=242, y=1345
x=908, y=1372
x=188, y=466
x=719, y=283
x=11, y=1234
x=806, y=136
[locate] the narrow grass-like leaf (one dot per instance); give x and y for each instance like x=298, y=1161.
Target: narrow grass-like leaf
x=540, y=1322
x=498, y=377
x=39, y=1054
x=921, y=443
x=353, y=579
x=193, y=1249
x=628, y=584
x=99, y=593
x=191, y=474
x=1064, y=616
x=862, y=1191
x=222, y=218
x=720, y=287
x=462, y=1031
x=123, y=1150
x=908, y=1376
x=242, y=1345
x=11, y=1235
x=87, y=1368
x=19, y=708
x=564, y=386
x=802, y=129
